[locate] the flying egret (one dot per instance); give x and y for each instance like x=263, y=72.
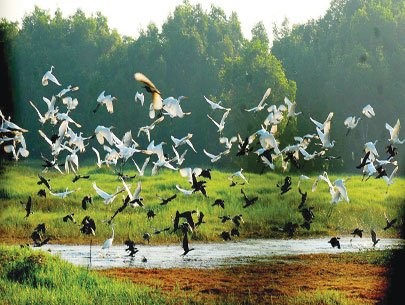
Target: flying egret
x=321, y=126
x=141, y=170
x=139, y=97
x=184, y=191
x=221, y=124
x=67, y=90
x=108, y=198
x=179, y=158
x=215, y=105
x=135, y=198
x=184, y=140
x=106, y=100
x=368, y=111
x=261, y=104
x=157, y=102
x=173, y=108
x=394, y=133
x=214, y=158
x=238, y=174
x=351, y=123
x=291, y=108
x=49, y=76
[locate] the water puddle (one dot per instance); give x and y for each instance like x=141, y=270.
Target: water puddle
x=210, y=255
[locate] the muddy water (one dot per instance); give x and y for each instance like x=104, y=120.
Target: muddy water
x=210, y=255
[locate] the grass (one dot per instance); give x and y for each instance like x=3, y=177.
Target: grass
x=368, y=202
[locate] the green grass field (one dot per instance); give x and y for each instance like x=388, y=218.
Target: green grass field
x=368, y=202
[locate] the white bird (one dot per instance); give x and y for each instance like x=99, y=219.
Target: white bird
x=275, y=115
x=179, y=158
x=76, y=140
x=108, y=243
x=56, y=145
x=7, y=125
x=261, y=104
x=394, y=133
x=139, y=97
x=291, y=108
x=66, y=90
x=326, y=123
x=306, y=155
x=390, y=180
x=325, y=137
x=370, y=147
x=99, y=162
x=102, y=133
x=141, y=170
x=184, y=140
x=184, y=191
x=267, y=162
x=228, y=141
x=267, y=140
x=161, y=163
x=66, y=117
x=52, y=110
x=72, y=160
x=351, y=123
x=106, y=100
x=188, y=173
x=108, y=198
x=368, y=111
x=135, y=198
x=221, y=124
x=148, y=128
x=214, y=158
x=301, y=178
x=49, y=76
x=173, y=108
x=42, y=118
x=70, y=103
x=155, y=149
x=238, y=174
x=63, y=194
x=216, y=105
x=369, y=170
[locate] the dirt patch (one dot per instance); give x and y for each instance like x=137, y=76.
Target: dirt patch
x=267, y=282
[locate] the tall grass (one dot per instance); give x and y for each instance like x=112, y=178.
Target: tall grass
x=368, y=202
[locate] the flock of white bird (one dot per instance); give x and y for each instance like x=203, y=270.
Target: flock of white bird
x=69, y=141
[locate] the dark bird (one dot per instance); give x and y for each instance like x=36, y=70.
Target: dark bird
x=86, y=200
x=235, y=232
x=166, y=200
x=357, y=232
x=206, y=173
x=286, y=186
x=188, y=215
x=364, y=161
x=237, y=220
x=151, y=88
x=42, y=193
x=243, y=146
x=51, y=164
x=290, y=157
x=150, y=214
x=391, y=150
x=248, y=202
x=28, y=207
x=69, y=217
x=233, y=183
x=374, y=237
x=306, y=225
x=219, y=202
x=41, y=228
x=290, y=228
x=161, y=231
x=43, y=180
x=146, y=237
x=307, y=214
x=176, y=221
x=334, y=241
x=380, y=172
x=77, y=177
x=390, y=223
x=125, y=203
x=88, y=226
x=200, y=219
x=225, y=235
x=303, y=198
x=224, y=218
x=185, y=244
x=198, y=185
x=131, y=247
x=42, y=242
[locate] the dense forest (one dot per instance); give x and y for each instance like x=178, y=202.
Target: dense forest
x=351, y=57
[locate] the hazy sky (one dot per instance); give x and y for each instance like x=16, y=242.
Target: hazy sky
x=129, y=16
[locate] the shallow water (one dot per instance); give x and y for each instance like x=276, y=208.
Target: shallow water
x=210, y=255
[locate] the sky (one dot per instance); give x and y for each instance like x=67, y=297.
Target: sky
x=128, y=17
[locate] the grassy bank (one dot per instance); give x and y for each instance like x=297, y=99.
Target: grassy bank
x=36, y=277
x=368, y=202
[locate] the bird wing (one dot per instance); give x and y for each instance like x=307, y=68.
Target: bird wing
x=265, y=96
x=45, y=137
x=127, y=189
x=109, y=105
x=217, y=124
x=100, y=192
x=186, y=192
x=138, y=190
x=143, y=79
x=211, y=156
x=373, y=235
x=319, y=125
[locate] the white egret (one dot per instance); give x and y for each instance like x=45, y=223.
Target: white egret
x=139, y=97
x=322, y=126
x=184, y=140
x=146, y=129
x=291, y=108
x=368, y=111
x=184, y=191
x=106, y=100
x=238, y=174
x=394, y=133
x=108, y=243
x=179, y=158
x=157, y=102
x=215, y=105
x=66, y=90
x=228, y=141
x=141, y=170
x=49, y=76
x=351, y=123
x=261, y=104
x=214, y=158
x=135, y=198
x=173, y=108
x=70, y=103
x=63, y=194
x=221, y=124
x=108, y=198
